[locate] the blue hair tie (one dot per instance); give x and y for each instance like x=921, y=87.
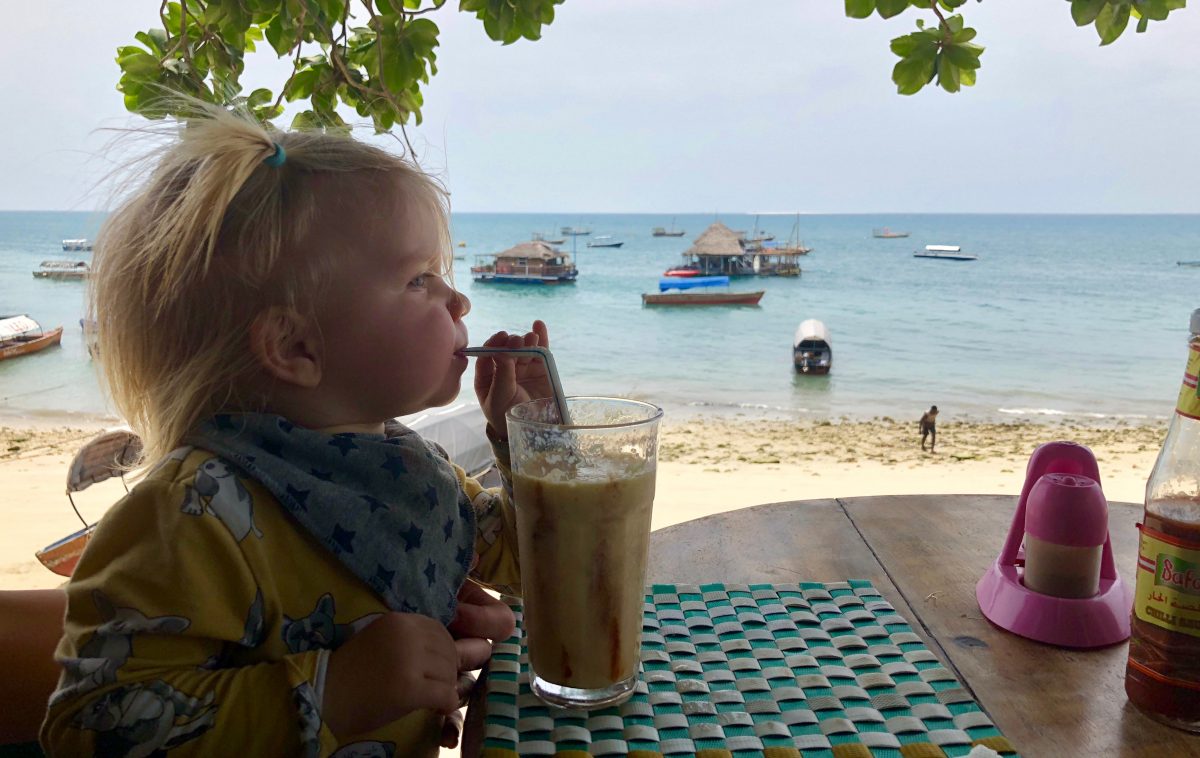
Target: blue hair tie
x=276, y=159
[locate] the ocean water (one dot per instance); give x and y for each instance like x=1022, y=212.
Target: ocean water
x=1061, y=316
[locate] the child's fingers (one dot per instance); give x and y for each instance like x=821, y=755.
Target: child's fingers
x=437, y=696
x=451, y=728
x=473, y=653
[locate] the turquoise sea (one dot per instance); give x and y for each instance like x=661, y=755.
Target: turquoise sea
x=1061, y=316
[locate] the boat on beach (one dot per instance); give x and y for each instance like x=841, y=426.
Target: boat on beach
x=812, y=349
x=887, y=234
x=945, y=253
x=63, y=270
x=21, y=335
x=526, y=263
x=707, y=297
x=604, y=240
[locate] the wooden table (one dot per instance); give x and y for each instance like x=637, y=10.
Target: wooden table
x=925, y=553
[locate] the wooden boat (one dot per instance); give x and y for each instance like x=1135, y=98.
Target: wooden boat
x=659, y=231
x=73, y=245
x=812, y=350
x=887, y=234
x=604, y=240
x=699, y=298
x=63, y=270
x=21, y=335
x=526, y=263
x=539, y=237
x=945, y=253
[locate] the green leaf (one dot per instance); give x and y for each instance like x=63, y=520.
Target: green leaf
x=955, y=23
x=962, y=56
x=911, y=74
x=890, y=8
x=259, y=97
x=1143, y=24
x=860, y=8
x=137, y=62
x=1084, y=12
x=1111, y=22
x=947, y=74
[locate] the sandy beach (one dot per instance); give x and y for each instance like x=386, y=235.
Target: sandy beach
x=707, y=465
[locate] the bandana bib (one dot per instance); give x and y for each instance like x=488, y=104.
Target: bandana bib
x=389, y=506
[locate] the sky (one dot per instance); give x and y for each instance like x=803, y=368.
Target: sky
x=677, y=106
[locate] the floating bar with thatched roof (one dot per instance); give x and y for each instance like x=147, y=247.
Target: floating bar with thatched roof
x=526, y=263
x=720, y=251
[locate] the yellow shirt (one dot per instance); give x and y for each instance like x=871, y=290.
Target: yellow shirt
x=180, y=637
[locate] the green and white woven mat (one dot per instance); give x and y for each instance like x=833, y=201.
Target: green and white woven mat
x=776, y=670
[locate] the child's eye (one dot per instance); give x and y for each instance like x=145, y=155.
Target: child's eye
x=419, y=281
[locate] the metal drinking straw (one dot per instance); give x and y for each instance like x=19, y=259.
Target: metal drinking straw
x=560, y=400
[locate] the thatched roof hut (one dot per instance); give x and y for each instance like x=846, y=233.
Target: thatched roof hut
x=717, y=239
x=533, y=251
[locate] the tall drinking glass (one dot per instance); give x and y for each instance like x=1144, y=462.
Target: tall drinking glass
x=583, y=495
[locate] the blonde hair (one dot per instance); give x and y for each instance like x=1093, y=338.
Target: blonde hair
x=210, y=240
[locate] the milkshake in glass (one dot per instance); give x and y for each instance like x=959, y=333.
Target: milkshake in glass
x=584, y=495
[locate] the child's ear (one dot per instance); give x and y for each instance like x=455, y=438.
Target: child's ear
x=287, y=346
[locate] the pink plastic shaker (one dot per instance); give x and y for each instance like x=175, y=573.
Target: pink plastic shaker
x=1066, y=526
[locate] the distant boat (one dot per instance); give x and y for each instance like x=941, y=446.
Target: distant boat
x=690, y=270
x=604, y=240
x=526, y=263
x=21, y=335
x=658, y=231
x=887, y=234
x=1192, y=264
x=80, y=244
x=575, y=231
x=945, y=253
x=699, y=298
x=812, y=350
x=63, y=270
x=539, y=237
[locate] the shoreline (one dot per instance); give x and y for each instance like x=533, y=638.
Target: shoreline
x=707, y=465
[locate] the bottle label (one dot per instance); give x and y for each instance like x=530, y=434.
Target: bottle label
x=1189, y=394
x=1167, y=592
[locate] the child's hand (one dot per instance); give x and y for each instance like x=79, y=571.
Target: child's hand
x=399, y=663
x=479, y=619
x=502, y=381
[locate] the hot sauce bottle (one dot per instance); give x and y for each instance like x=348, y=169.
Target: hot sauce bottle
x=1162, y=677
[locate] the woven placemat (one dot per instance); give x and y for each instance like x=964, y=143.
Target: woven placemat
x=780, y=670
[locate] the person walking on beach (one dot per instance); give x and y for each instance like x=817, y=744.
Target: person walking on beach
x=298, y=574
x=929, y=427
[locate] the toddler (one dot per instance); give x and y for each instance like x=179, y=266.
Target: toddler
x=291, y=577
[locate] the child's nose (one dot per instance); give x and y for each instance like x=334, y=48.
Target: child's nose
x=460, y=304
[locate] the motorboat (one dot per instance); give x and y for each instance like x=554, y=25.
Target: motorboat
x=604, y=240
x=812, y=350
x=945, y=253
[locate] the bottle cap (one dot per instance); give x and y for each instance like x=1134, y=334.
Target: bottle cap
x=1195, y=323
x=1067, y=509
